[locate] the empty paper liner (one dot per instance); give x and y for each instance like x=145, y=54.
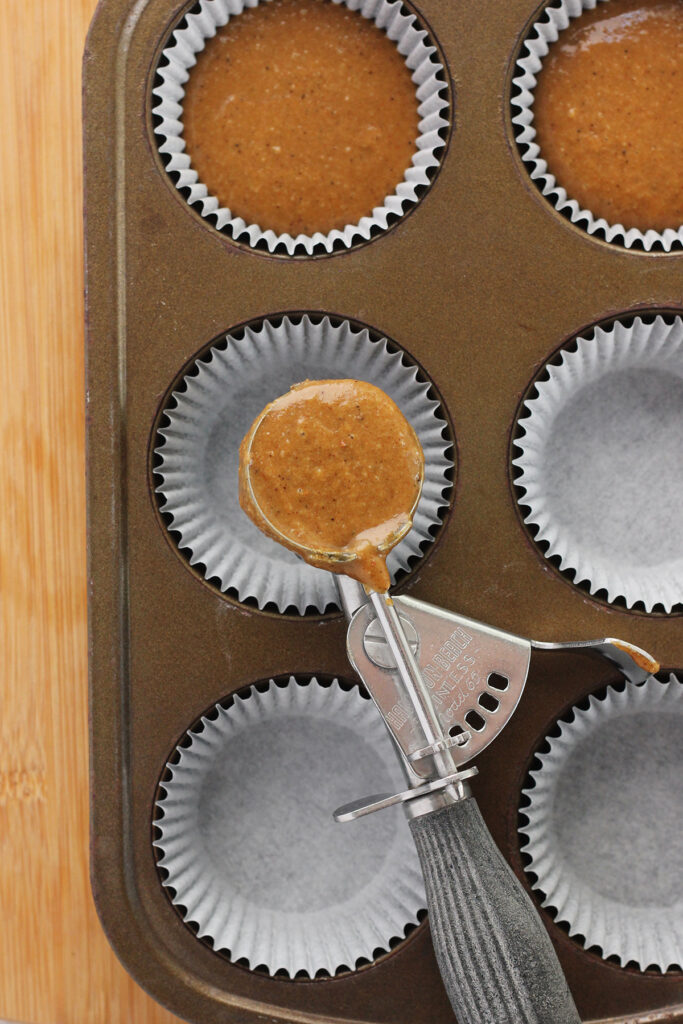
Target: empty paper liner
x=249, y=849
x=427, y=73
x=542, y=34
x=212, y=410
x=603, y=835
x=601, y=473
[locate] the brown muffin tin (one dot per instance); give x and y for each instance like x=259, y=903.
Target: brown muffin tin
x=480, y=284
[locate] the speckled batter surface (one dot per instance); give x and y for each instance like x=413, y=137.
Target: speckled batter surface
x=608, y=112
x=300, y=116
x=333, y=466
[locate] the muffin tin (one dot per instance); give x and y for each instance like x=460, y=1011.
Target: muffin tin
x=480, y=285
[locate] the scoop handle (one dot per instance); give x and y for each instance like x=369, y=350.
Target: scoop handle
x=496, y=960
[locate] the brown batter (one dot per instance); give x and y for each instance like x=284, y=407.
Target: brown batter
x=609, y=112
x=333, y=466
x=641, y=658
x=300, y=116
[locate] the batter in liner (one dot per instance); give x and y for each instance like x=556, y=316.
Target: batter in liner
x=300, y=116
x=333, y=471
x=608, y=112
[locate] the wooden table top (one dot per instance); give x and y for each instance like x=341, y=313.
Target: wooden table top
x=56, y=966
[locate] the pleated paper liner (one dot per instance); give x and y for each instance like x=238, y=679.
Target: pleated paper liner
x=213, y=408
x=428, y=75
x=600, y=474
x=602, y=833
x=249, y=851
x=542, y=34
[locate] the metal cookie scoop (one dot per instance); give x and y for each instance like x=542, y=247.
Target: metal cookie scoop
x=445, y=686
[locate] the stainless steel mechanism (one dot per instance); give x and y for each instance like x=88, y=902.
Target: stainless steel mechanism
x=445, y=685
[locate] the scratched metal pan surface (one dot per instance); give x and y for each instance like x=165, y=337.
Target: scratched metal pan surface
x=480, y=283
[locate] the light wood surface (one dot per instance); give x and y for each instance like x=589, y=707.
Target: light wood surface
x=56, y=966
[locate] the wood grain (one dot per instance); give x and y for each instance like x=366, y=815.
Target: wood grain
x=56, y=966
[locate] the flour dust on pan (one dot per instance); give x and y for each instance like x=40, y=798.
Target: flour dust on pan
x=603, y=813
x=247, y=845
x=212, y=409
x=600, y=474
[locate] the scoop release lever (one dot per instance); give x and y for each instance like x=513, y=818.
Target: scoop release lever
x=445, y=685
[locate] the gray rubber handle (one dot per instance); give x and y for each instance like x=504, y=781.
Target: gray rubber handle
x=496, y=960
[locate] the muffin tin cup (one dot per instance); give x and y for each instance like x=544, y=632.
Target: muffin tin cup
x=208, y=416
x=427, y=73
x=542, y=34
x=603, y=836
x=248, y=846
x=478, y=288
x=600, y=465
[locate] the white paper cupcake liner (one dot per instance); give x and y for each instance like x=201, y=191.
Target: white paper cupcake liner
x=543, y=33
x=248, y=844
x=604, y=831
x=427, y=73
x=213, y=410
x=602, y=462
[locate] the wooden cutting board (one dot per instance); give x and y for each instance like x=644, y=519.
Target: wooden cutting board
x=56, y=966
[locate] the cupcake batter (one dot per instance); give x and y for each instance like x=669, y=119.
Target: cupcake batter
x=641, y=658
x=334, y=466
x=300, y=116
x=608, y=112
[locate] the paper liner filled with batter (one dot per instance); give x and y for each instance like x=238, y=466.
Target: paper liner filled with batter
x=603, y=814
x=428, y=76
x=540, y=37
x=212, y=410
x=601, y=469
x=248, y=847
